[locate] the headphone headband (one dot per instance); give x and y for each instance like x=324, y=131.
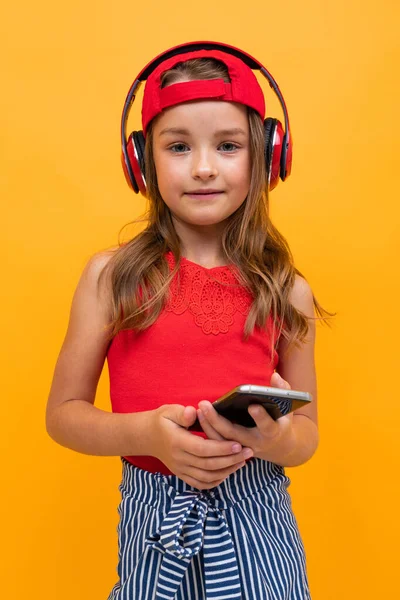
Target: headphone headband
x=192, y=47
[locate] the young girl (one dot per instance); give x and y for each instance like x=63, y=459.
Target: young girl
x=206, y=298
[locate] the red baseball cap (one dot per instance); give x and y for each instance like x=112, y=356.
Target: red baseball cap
x=243, y=87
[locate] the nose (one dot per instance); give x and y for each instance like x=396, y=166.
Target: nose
x=204, y=165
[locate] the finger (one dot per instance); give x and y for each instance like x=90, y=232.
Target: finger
x=206, y=448
x=184, y=416
x=189, y=416
x=216, y=463
x=228, y=430
x=278, y=381
x=265, y=423
x=210, y=477
x=208, y=429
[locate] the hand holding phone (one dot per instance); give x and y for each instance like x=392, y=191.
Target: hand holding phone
x=277, y=402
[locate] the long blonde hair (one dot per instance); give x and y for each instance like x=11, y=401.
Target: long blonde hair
x=140, y=275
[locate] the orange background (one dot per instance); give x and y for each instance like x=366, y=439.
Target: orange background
x=66, y=72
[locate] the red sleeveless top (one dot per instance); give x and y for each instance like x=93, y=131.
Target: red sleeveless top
x=194, y=351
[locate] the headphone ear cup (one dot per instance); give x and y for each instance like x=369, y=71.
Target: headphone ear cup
x=134, y=171
x=272, y=151
x=140, y=144
x=126, y=158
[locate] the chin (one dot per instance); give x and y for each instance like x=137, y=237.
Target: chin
x=206, y=220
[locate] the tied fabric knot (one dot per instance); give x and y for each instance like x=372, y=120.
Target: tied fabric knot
x=188, y=511
x=192, y=524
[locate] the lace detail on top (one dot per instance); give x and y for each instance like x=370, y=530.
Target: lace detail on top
x=205, y=294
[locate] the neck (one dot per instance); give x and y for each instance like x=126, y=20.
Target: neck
x=201, y=245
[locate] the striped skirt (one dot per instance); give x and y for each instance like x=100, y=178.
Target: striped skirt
x=239, y=540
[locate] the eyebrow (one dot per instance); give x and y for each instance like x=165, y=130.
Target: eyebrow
x=181, y=131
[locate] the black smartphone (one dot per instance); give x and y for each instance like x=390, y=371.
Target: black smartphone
x=277, y=402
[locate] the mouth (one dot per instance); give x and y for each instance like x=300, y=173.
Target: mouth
x=205, y=195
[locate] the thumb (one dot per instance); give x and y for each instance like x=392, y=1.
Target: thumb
x=278, y=381
x=184, y=416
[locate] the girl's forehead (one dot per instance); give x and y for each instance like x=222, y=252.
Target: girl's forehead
x=199, y=114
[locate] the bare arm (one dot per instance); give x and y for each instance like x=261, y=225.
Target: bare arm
x=298, y=368
x=73, y=421
x=293, y=439
x=81, y=426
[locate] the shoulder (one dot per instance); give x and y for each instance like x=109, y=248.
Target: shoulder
x=301, y=296
x=98, y=261
x=95, y=280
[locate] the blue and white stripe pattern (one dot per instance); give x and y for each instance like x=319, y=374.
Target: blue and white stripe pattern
x=239, y=540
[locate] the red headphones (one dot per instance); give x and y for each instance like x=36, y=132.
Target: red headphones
x=278, y=141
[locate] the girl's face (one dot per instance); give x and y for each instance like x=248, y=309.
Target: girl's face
x=200, y=146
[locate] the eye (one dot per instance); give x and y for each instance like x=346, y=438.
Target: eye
x=178, y=148
x=232, y=146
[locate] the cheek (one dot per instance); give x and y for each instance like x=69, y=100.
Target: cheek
x=168, y=174
x=240, y=174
